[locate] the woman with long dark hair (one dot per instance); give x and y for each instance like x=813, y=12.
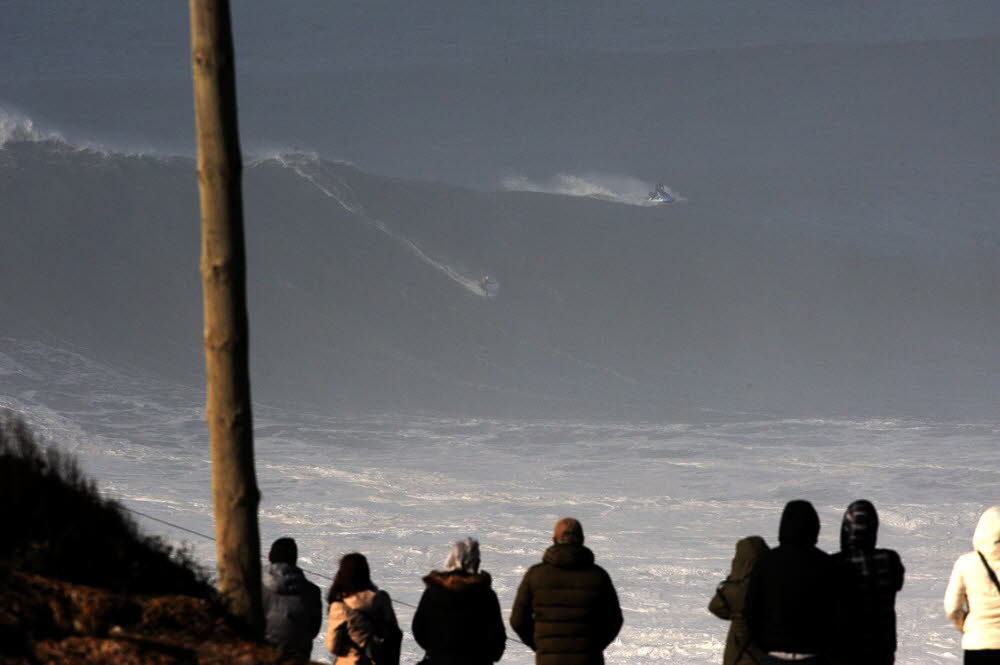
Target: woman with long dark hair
x=362, y=628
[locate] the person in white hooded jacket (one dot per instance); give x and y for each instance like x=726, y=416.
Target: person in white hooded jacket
x=972, y=599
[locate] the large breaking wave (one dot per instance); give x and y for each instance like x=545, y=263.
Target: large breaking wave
x=369, y=292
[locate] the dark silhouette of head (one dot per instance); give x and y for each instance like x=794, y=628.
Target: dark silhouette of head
x=352, y=576
x=283, y=550
x=799, y=524
x=859, y=529
x=568, y=531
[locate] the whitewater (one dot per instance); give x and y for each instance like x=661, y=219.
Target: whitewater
x=662, y=503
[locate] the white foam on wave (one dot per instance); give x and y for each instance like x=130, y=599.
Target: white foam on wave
x=617, y=189
x=18, y=127
x=15, y=126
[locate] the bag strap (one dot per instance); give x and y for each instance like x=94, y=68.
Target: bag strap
x=989, y=569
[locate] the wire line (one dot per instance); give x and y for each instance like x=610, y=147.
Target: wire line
x=263, y=558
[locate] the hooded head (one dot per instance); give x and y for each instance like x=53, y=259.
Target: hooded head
x=747, y=551
x=464, y=557
x=799, y=524
x=283, y=550
x=568, y=531
x=987, y=536
x=859, y=528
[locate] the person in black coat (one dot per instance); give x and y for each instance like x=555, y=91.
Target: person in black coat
x=793, y=598
x=458, y=620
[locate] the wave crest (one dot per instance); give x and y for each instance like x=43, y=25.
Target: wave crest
x=16, y=126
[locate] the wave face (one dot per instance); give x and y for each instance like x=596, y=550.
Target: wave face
x=368, y=293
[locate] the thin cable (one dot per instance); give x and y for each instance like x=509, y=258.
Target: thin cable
x=263, y=558
x=176, y=526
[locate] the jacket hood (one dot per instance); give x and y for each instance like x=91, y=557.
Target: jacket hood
x=987, y=536
x=284, y=578
x=569, y=556
x=747, y=551
x=799, y=524
x=457, y=581
x=859, y=529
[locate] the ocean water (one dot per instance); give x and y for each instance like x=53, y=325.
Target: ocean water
x=814, y=317
x=662, y=504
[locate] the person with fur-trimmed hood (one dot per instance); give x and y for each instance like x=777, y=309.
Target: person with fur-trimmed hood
x=871, y=577
x=566, y=608
x=972, y=599
x=458, y=620
x=730, y=599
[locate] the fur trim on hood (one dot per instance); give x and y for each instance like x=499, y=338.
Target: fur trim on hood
x=457, y=581
x=987, y=536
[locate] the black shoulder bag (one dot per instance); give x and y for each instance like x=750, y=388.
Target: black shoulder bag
x=989, y=569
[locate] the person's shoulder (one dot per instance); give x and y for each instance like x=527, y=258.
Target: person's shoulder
x=967, y=560
x=885, y=553
x=536, y=567
x=600, y=570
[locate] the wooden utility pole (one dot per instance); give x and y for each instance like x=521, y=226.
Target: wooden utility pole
x=223, y=271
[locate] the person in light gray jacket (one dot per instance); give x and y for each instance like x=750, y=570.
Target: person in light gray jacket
x=293, y=609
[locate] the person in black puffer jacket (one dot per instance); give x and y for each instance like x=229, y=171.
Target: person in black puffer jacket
x=566, y=608
x=872, y=576
x=793, y=599
x=458, y=620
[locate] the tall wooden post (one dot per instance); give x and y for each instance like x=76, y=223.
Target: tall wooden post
x=223, y=271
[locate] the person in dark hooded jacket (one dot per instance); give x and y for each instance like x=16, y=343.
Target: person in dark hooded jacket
x=793, y=597
x=293, y=609
x=458, y=620
x=729, y=603
x=566, y=609
x=871, y=579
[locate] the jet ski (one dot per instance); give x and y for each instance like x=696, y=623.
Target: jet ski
x=660, y=195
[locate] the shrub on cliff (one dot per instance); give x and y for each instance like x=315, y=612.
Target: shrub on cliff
x=54, y=522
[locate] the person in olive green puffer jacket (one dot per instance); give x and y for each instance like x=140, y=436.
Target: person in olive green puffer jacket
x=729, y=600
x=566, y=608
